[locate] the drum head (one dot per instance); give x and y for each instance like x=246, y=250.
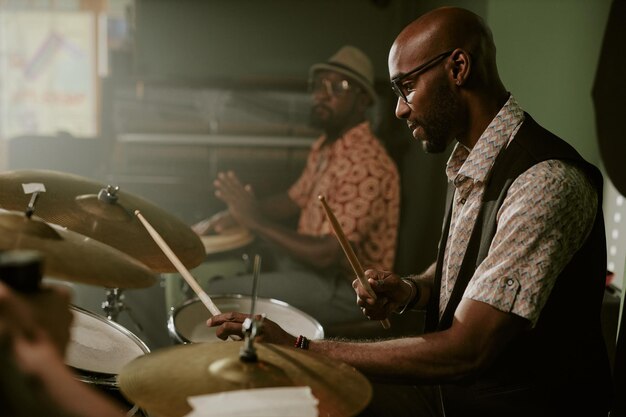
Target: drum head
x=187, y=323
x=229, y=239
x=100, y=346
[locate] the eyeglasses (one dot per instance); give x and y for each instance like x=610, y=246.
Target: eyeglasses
x=403, y=89
x=332, y=88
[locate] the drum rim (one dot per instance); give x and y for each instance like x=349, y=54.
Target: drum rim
x=175, y=310
x=105, y=378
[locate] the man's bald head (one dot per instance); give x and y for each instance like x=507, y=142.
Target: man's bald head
x=445, y=29
x=443, y=69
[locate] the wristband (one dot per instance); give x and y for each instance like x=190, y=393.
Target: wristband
x=302, y=342
x=412, y=298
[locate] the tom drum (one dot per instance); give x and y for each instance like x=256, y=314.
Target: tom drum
x=98, y=349
x=187, y=323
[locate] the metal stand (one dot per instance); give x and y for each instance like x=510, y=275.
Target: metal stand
x=114, y=305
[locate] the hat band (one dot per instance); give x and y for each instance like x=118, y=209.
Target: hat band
x=356, y=75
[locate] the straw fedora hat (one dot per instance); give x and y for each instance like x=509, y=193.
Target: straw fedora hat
x=352, y=62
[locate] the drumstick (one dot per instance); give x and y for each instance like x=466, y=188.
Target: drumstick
x=206, y=300
x=347, y=249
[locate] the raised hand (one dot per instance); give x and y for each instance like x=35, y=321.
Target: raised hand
x=242, y=204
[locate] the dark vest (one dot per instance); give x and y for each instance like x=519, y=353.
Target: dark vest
x=561, y=365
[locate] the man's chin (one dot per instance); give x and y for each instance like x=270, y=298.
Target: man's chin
x=318, y=121
x=432, y=147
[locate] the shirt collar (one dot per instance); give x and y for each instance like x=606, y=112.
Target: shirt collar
x=476, y=163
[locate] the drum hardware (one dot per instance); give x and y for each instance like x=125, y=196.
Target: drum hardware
x=104, y=213
x=31, y=204
x=251, y=324
x=108, y=194
x=114, y=305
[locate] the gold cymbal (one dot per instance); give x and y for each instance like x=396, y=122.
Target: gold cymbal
x=160, y=382
x=88, y=208
x=71, y=256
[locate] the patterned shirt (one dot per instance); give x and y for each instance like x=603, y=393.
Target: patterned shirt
x=547, y=214
x=361, y=185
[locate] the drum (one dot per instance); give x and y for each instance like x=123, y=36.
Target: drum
x=229, y=239
x=98, y=350
x=187, y=323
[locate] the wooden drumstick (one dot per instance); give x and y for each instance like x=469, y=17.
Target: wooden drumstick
x=203, y=296
x=347, y=249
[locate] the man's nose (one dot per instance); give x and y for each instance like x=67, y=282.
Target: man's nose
x=402, y=109
x=320, y=94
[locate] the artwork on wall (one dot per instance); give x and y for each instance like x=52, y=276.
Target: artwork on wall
x=48, y=77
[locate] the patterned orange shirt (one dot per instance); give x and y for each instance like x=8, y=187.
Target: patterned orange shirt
x=361, y=185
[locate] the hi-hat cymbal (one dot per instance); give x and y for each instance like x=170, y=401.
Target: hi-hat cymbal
x=71, y=256
x=160, y=382
x=87, y=207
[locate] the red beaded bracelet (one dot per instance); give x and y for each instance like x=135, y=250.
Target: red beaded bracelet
x=302, y=342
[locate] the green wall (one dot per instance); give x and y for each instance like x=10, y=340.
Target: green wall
x=547, y=53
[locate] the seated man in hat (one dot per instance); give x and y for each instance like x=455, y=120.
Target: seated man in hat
x=351, y=168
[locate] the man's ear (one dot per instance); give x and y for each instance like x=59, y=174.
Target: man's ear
x=461, y=66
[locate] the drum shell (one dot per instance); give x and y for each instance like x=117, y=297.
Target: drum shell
x=187, y=323
x=97, y=351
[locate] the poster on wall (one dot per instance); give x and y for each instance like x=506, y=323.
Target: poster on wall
x=47, y=73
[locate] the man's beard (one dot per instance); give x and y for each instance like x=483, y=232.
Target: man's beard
x=320, y=117
x=437, y=122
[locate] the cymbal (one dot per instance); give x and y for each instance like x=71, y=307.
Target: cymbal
x=71, y=256
x=160, y=382
x=88, y=208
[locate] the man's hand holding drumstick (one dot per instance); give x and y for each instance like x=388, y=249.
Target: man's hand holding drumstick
x=354, y=261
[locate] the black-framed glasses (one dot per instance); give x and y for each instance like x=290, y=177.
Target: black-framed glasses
x=403, y=89
x=332, y=88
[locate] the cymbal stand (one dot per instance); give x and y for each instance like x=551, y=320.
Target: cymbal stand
x=114, y=305
x=250, y=325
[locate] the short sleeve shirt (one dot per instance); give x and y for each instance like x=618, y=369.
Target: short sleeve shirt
x=361, y=185
x=547, y=214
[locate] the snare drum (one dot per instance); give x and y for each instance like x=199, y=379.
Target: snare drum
x=187, y=323
x=98, y=349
